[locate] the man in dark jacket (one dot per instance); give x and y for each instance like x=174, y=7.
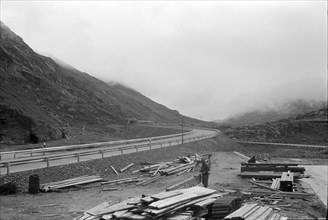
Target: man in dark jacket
x=204, y=170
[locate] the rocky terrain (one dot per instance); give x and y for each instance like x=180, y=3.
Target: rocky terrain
x=309, y=128
x=41, y=100
x=289, y=109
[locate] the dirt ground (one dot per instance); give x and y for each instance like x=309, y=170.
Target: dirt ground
x=74, y=201
x=69, y=204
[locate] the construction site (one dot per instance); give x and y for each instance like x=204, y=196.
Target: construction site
x=166, y=183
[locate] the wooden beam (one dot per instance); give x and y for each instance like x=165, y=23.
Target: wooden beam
x=127, y=167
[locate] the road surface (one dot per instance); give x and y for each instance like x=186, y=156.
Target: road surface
x=154, y=144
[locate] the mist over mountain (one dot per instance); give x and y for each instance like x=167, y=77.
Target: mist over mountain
x=44, y=99
x=289, y=109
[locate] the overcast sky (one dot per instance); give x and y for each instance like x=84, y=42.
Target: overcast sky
x=206, y=59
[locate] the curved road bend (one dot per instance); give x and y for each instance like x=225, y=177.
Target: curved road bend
x=155, y=144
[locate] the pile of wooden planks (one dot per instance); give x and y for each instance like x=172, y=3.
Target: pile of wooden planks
x=178, y=166
x=269, y=170
x=173, y=205
x=255, y=211
x=278, y=187
x=69, y=182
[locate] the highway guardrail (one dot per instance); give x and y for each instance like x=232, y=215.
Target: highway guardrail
x=102, y=151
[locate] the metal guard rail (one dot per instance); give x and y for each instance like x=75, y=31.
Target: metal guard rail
x=47, y=158
x=80, y=146
x=282, y=144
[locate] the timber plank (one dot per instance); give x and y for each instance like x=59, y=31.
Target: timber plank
x=93, y=211
x=254, y=215
x=164, y=195
x=190, y=193
x=117, y=207
x=241, y=211
x=265, y=214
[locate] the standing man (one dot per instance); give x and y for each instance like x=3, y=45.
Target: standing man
x=204, y=171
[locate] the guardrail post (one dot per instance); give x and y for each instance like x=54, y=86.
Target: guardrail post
x=161, y=144
x=31, y=154
x=48, y=162
x=102, y=154
x=121, y=151
x=78, y=157
x=8, y=168
x=170, y=143
x=14, y=155
x=137, y=149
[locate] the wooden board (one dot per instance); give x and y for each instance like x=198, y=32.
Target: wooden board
x=117, y=207
x=269, y=164
x=101, y=206
x=164, y=195
x=189, y=193
x=241, y=211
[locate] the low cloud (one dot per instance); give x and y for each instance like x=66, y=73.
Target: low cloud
x=206, y=59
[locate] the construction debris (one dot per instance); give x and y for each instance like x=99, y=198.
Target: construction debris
x=269, y=170
x=69, y=182
x=275, y=167
x=255, y=211
x=173, y=205
x=127, y=167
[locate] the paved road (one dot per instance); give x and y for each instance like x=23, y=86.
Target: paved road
x=154, y=144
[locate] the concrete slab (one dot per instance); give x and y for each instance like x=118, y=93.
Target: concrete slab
x=318, y=180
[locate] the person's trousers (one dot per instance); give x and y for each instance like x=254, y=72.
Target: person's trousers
x=205, y=179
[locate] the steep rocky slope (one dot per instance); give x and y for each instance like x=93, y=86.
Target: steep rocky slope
x=41, y=100
x=309, y=128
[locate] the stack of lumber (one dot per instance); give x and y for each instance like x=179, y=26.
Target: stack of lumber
x=279, y=194
x=174, y=205
x=69, y=182
x=255, y=211
x=281, y=187
x=122, y=181
x=224, y=206
x=269, y=170
x=169, y=168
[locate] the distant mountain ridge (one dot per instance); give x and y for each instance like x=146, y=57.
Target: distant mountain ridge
x=288, y=110
x=308, y=128
x=41, y=98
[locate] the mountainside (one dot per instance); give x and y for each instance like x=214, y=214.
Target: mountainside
x=41, y=99
x=288, y=110
x=309, y=128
